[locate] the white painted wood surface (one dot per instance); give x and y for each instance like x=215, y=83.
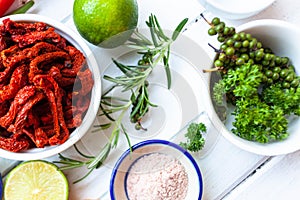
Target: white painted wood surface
x=228, y=172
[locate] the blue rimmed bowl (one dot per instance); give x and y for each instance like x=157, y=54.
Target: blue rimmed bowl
x=121, y=170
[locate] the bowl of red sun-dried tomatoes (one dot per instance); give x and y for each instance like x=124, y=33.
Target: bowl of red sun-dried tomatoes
x=50, y=87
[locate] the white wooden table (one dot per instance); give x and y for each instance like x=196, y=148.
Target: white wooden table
x=228, y=172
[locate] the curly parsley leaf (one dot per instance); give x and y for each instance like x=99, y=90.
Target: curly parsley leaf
x=260, y=109
x=195, y=140
x=257, y=121
x=287, y=99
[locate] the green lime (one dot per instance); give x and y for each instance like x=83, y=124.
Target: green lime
x=106, y=23
x=36, y=180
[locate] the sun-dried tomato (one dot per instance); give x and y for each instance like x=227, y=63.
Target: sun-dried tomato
x=4, y=106
x=11, y=144
x=26, y=39
x=53, y=92
x=22, y=115
x=20, y=99
x=19, y=28
x=75, y=121
x=45, y=86
x=77, y=62
x=87, y=82
x=4, y=75
x=15, y=55
x=47, y=119
x=39, y=137
x=2, y=43
x=32, y=120
x=17, y=81
x=9, y=53
x=59, y=78
x=38, y=63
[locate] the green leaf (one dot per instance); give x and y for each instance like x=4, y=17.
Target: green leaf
x=151, y=25
x=167, y=69
x=179, y=29
x=160, y=32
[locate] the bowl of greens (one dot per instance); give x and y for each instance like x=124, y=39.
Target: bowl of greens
x=255, y=87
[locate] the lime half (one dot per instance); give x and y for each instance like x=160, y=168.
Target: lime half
x=36, y=180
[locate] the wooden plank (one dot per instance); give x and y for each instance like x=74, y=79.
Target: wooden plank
x=56, y=9
x=277, y=179
x=225, y=167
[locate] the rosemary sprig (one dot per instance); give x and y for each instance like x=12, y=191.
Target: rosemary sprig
x=159, y=47
x=134, y=80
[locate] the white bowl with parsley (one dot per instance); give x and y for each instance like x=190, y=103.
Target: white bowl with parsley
x=264, y=120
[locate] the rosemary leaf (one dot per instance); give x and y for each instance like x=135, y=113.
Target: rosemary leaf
x=179, y=29
x=160, y=32
x=127, y=137
x=143, y=38
x=151, y=25
x=98, y=161
x=82, y=154
x=103, y=126
x=136, y=46
x=167, y=68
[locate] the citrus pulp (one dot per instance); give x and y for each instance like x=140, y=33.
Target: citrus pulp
x=106, y=23
x=36, y=180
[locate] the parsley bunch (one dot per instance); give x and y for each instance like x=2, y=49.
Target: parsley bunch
x=195, y=141
x=260, y=110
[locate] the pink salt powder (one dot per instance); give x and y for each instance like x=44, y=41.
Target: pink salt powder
x=157, y=176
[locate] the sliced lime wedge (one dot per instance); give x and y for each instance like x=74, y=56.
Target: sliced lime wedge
x=36, y=180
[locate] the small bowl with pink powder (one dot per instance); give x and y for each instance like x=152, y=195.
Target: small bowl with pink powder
x=156, y=170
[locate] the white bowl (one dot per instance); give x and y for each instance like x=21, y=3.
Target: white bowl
x=282, y=38
x=122, y=167
x=78, y=42
x=235, y=9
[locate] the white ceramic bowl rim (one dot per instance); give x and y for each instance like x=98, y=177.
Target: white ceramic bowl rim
x=267, y=22
x=248, y=6
x=149, y=142
x=91, y=113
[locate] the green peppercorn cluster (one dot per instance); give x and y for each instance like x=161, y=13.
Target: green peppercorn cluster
x=146, y=59
x=238, y=48
x=140, y=101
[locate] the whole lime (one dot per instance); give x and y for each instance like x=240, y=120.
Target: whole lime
x=106, y=23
